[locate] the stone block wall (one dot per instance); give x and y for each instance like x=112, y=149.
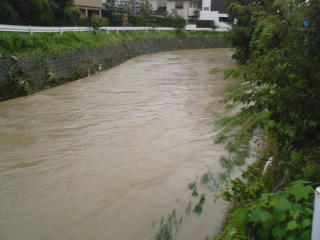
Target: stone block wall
x=26, y=76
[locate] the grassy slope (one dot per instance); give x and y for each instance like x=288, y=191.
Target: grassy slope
x=41, y=44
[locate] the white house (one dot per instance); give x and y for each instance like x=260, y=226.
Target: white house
x=213, y=10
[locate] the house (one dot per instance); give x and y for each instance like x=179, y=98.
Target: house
x=89, y=8
x=183, y=8
x=158, y=5
x=214, y=10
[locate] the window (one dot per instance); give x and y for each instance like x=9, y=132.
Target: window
x=223, y=19
x=179, y=4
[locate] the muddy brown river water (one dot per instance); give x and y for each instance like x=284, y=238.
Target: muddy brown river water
x=106, y=156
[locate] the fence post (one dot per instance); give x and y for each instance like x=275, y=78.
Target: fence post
x=30, y=29
x=316, y=215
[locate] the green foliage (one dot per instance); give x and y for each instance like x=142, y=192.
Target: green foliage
x=179, y=22
x=205, y=24
x=116, y=19
x=38, y=12
x=169, y=227
x=145, y=7
x=7, y=13
x=198, y=208
x=193, y=187
x=14, y=86
x=40, y=44
x=279, y=94
x=139, y=20
x=41, y=12
x=128, y=7
x=157, y=21
x=72, y=16
x=237, y=131
x=282, y=215
x=97, y=23
x=104, y=22
x=196, y=13
x=280, y=49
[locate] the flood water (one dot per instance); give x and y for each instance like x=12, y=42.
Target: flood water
x=106, y=156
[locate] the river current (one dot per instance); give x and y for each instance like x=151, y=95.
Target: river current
x=106, y=156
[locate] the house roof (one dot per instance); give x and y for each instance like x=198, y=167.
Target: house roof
x=89, y=3
x=219, y=5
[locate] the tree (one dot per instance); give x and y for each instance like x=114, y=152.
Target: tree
x=39, y=12
x=8, y=14
x=145, y=7
x=196, y=14
x=64, y=11
x=279, y=41
x=130, y=7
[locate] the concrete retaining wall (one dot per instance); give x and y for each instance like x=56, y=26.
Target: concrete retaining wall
x=26, y=76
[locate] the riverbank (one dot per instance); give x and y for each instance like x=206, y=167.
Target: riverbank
x=280, y=92
x=273, y=197
x=93, y=53
x=44, y=44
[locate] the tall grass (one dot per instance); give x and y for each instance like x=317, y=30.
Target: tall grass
x=41, y=44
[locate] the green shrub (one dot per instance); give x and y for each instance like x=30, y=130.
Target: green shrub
x=139, y=20
x=179, y=22
x=161, y=21
x=280, y=216
x=116, y=19
x=205, y=24
x=8, y=15
x=96, y=24
x=72, y=15
x=83, y=22
x=157, y=21
x=104, y=22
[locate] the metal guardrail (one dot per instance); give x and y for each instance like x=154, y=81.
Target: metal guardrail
x=38, y=29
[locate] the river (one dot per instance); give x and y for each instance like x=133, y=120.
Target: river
x=106, y=156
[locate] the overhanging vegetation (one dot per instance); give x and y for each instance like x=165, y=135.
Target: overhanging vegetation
x=278, y=43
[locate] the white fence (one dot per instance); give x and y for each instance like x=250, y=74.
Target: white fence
x=35, y=29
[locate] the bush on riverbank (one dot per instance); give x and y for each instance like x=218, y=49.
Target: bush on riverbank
x=157, y=21
x=26, y=45
x=205, y=24
x=278, y=41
